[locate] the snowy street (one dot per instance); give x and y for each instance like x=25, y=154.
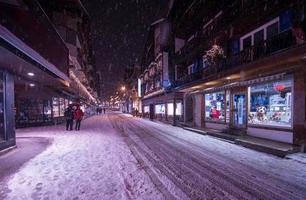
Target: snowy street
x=116, y=156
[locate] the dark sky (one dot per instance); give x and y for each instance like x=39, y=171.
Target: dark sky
x=119, y=29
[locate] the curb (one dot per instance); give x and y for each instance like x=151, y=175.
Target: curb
x=247, y=144
x=5, y=151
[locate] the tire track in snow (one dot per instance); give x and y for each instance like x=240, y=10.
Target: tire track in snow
x=132, y=145
x=268, y=191
x=184, y=184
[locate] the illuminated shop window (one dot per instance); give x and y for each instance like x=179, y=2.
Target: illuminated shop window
x=146, y=109
x=62, y=106
x=55, y=107
x=170, y=109
x=179, y=109
x=160, y=109
x=271, y=104
x=214, y=106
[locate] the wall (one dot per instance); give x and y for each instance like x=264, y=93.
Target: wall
x=198, y=110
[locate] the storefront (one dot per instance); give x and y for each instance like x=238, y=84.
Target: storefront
x=168, y=107
x=7, y=126
x=262, y=107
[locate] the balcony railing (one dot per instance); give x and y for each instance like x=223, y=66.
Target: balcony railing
x=188, y=78
x=265, y=49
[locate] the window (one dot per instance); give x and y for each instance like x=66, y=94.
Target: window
x=62, y=106
x=55, y=107
x=247, y=42
x=228, y=112
x=160, y=109
x=146, y=109
x=260, y=34
x=272, y=30
x=259, y=37
x=271, y=104
x=179, y=109
x=170, y=109
x=215, y=106
x=47, y=110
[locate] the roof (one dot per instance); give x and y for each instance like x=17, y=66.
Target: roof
x=9, y=37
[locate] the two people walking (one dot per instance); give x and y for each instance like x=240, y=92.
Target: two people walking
x=73, y=114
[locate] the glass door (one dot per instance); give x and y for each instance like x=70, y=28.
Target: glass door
x=239, y=110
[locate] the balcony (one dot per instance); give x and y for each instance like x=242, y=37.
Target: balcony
x=268, y=47
x=274, y=45
x=188, y=78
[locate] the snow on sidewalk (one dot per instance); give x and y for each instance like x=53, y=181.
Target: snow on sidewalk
x=93, y=163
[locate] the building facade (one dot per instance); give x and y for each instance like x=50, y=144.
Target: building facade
x=241, y=66
x=30, y=73
x=72, y=22
x=159, y=101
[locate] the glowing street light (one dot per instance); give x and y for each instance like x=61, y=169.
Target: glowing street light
x=123, y=88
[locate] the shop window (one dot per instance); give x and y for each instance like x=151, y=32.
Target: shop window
x=160, y=109
x=215, y=106
x=55, y=107
x=146, y=109
x=179, y=109
x=62, y=106
x=47, y=110
x=271, y=104
x=170, y=109
x=228, y=112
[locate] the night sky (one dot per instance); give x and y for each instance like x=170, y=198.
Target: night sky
x=120, y=29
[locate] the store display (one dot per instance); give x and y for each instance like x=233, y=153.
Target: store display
x=214, y=106
x=270, y=104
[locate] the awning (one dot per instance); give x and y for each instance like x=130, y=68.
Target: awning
x=250, y=82
x=10, y=38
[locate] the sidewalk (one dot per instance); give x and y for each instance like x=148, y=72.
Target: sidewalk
x=27, y=148
x=268, y=146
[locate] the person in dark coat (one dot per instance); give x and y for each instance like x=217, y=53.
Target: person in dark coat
x=69, y=118
x=78, y=116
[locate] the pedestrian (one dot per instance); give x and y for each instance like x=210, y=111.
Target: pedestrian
x=69, y=118
x=104, y=110
x=78, y=116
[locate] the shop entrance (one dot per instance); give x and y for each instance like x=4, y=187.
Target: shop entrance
x=151, y=111
x=239, y=111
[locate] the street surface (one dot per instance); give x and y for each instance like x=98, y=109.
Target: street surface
x=116, y=156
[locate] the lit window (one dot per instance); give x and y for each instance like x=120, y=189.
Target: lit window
x=271, y=104
x=215, y=106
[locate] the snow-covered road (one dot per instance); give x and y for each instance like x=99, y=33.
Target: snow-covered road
x=121, y=157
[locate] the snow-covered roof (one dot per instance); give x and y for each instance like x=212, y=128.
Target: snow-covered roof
x=9, y=37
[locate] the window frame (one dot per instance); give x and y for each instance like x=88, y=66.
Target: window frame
x=263, y=27
x=273, y=127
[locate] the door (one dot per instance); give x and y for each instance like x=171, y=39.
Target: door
x=239, y=111
x=151, y=111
